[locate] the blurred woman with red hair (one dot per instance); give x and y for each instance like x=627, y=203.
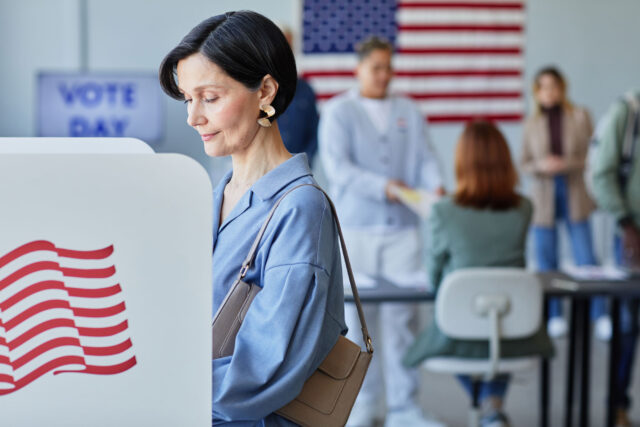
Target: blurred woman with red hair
x=484, y=224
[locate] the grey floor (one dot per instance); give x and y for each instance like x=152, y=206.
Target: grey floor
x=443, y=397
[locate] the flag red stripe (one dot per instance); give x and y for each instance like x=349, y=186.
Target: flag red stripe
x=460, y=27
x=461, y=5
x=32, y=311
x=4, y=378
x=103, y=332
x=38, y=245
x=49, y=366
x=329, y=73
x=461, y=50
x=444, y=95
x=94, y=293
x=99, y=312
x=5, y=360
x=33, y=289
x=465, y=95
x=43, y=245
x=93, y=273
x=420, y=73
x=107, y=351
x=466, y=117
x=459, y=73
x=113, y=369
x=97, y=254
x=28, y=269
x=104, y=370
x=43, y=348
x=42, y=327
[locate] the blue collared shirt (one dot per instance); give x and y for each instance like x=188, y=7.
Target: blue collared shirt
x=359, y=160
x=296, y=318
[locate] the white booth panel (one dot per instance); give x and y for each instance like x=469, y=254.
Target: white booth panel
x=105, y=269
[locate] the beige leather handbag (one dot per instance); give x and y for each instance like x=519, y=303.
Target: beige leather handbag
x=329, y=394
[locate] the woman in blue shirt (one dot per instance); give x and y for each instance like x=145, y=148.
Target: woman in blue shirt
x=237, y=74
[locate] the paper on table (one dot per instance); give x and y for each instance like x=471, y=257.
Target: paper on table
x=596, y=272
x=419, y=201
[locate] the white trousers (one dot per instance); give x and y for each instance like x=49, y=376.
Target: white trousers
x=385, y=254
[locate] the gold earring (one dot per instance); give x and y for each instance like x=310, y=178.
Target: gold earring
x=270, y=111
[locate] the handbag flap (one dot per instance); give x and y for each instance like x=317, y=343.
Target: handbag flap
x=321, y=392
x=340, y=361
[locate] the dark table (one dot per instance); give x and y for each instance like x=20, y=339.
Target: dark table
x=555, y=284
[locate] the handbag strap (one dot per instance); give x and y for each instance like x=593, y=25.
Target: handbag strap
x=248, y=261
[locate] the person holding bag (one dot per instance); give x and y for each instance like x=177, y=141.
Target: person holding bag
x=237, y=74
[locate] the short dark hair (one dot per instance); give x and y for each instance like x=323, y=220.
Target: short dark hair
x=371, y=43
x=246, y=45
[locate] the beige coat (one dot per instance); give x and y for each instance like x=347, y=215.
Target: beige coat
x=576, y=134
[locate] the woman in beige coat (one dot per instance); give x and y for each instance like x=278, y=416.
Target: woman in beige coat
x=556, y=141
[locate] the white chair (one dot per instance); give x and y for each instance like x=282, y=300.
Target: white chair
x=487, y=304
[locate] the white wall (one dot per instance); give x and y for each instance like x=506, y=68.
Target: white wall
x=123, y=35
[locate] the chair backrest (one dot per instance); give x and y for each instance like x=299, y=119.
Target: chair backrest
x=465, y=296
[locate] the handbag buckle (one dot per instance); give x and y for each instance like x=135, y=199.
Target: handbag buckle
x=243, y=271
x=369, y=345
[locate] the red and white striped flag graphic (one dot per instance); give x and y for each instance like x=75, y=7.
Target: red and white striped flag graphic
x=457, y=59
x=61, y=310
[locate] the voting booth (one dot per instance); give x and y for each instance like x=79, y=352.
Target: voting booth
x=105, y=289
x=73, y=145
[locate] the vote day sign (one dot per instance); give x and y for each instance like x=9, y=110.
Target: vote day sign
x=100, y=105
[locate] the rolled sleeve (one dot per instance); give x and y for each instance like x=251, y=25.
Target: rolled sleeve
x=293, y=322
x=270, y=365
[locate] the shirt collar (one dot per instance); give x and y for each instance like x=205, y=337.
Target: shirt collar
x=275, y=180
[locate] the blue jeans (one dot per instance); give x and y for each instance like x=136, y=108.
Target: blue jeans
x=546, y=245
x=495, y=388
x=628, y=338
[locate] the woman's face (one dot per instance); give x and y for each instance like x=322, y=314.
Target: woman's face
x=374, y=73
x=549, y=92
x=221, y=109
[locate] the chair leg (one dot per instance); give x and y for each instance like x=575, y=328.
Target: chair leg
x=474, y=413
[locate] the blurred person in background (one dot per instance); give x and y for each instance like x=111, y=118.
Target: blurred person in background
x=555, y=146
x=483, y=224
x=372, y=144
x=299, y=123
x=616, y=187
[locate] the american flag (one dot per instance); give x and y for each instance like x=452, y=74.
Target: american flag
x=60, y=310
x=457, y=59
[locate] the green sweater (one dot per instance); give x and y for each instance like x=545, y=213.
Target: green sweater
x=463, y=237
x=606, y=187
